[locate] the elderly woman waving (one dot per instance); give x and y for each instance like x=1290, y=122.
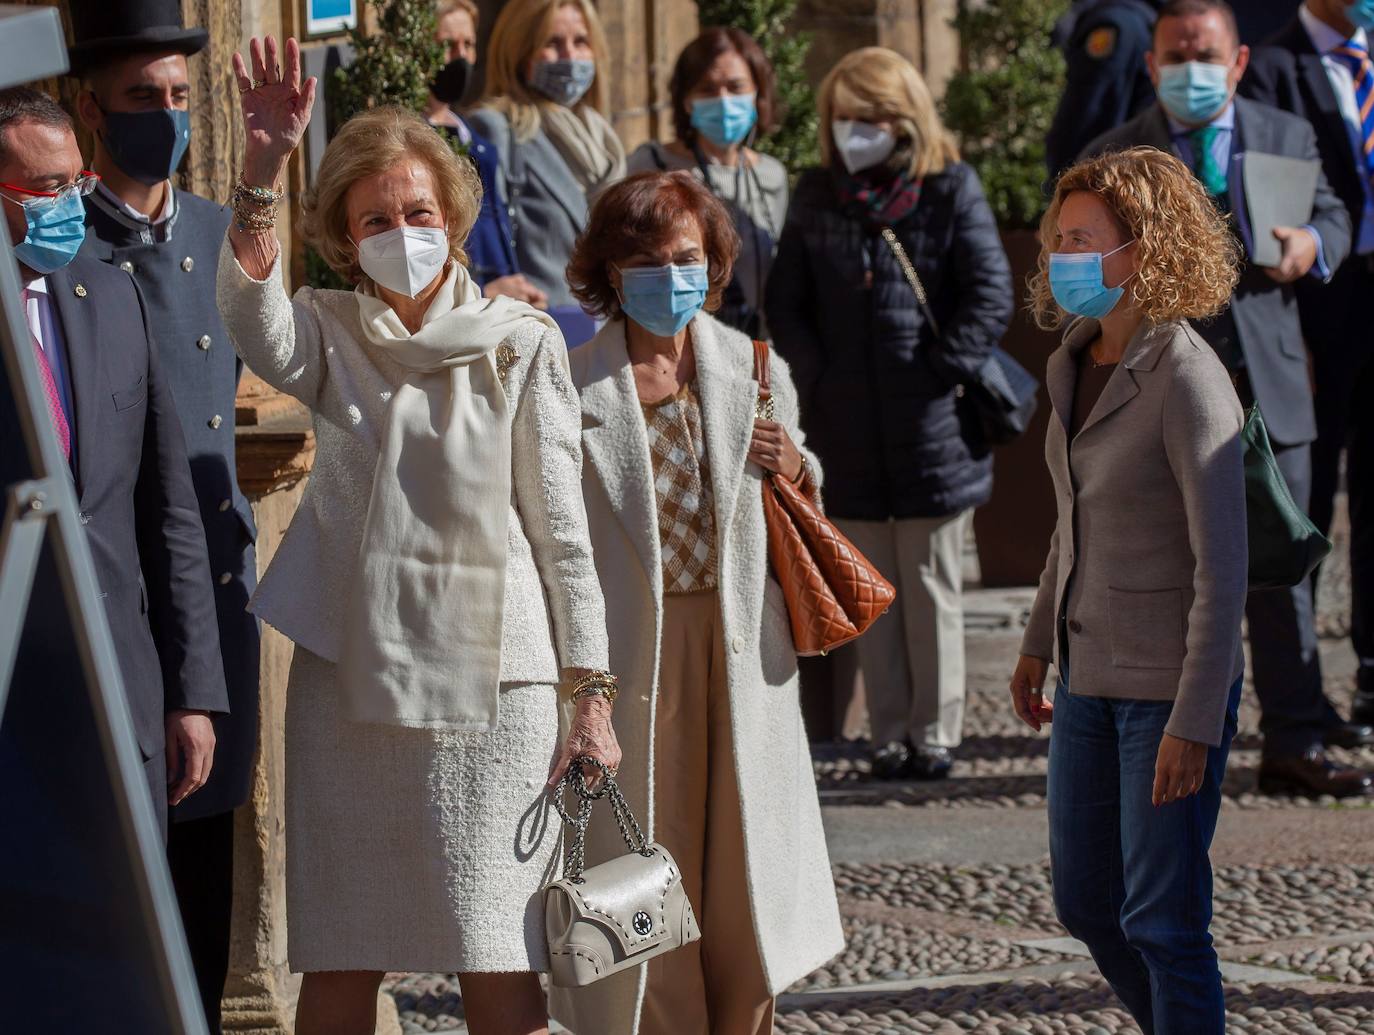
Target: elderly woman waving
x=437, y=578
x=715, y=753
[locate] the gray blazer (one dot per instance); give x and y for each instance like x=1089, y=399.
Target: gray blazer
x=1147, y=568
x=1265, y=312
x=548, y=207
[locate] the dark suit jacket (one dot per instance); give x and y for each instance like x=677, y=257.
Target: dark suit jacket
x=139, y=510
x=176, y=278
x=1265, y=312
x=1287, y=72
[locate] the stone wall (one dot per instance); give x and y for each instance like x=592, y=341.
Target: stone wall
x=919, y=30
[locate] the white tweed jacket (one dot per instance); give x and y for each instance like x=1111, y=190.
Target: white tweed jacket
x=312, y=347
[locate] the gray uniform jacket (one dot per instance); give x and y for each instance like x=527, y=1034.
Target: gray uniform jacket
x=548, y=207
x=1265, y=312
x=1147, y=568
x=176, y=275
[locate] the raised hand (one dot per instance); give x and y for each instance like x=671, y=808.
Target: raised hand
x=276, y=108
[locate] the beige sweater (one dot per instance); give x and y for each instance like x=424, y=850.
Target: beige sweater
x=1150, y=545
x=312, y=347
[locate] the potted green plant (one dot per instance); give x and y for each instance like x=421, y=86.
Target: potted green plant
x=1000, y=105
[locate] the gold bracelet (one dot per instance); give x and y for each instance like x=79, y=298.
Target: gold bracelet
x=599, y=684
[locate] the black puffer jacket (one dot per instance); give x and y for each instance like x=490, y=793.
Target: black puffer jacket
x=879, y=391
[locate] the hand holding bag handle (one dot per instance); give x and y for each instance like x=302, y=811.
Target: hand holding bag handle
x=833, y=593
x=619, y=914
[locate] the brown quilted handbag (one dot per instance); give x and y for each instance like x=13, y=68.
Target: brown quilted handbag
x=833, y=593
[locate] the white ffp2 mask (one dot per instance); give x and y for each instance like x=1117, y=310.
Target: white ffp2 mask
x=404, y=259
x=861, y=145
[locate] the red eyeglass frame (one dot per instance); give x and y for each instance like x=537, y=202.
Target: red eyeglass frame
x=50, y=193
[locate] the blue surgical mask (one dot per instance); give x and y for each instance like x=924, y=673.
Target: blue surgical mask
x=1194, y=92
x=1078, y=286
x=147, y=145
x=565, y=82
x=1361, y=13
x=725, y=120
x=54, y=233
x=663, y=299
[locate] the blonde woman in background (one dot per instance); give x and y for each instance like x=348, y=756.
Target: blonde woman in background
x=544, y=112
x=881, y=387
x=437, y=578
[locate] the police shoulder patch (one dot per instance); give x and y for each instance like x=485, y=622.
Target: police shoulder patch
x=1101, y=42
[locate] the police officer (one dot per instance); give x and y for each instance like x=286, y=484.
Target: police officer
x=1104, y=43
x=132, y=57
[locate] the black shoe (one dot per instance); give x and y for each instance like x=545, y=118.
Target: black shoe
x=931, y=763
x=1351, y=734
x=892, y=761
x=1362, y=711
x=1313, y=775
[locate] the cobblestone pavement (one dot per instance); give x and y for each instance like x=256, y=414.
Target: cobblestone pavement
x=945, y=889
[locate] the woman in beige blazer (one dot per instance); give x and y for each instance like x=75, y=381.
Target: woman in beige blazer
x=437, y=578
x=716, y=759
x=1141, y=599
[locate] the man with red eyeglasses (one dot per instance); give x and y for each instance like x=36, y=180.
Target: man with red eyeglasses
x=112, y=412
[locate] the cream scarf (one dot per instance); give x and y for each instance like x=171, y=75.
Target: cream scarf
x=422, y=634
x=589, y=145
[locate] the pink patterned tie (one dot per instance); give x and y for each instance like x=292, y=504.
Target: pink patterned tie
x=59, y=416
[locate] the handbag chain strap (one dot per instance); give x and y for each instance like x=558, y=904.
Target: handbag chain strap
x=630, y=830
x=912, y=277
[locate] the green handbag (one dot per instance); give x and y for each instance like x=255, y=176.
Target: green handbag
x=1284, y=544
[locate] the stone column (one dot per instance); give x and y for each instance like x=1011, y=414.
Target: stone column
x=276, y=448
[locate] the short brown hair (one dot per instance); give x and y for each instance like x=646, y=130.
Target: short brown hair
x=367, y=144
x=641, y=212
x=699, y=55
x=1189, y=259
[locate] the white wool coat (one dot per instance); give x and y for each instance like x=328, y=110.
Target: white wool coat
x=312, y=347
x=796, y=917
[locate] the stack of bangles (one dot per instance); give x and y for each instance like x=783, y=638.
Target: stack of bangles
x=255, y=208
x=596, y=684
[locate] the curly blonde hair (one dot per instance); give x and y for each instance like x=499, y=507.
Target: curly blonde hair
x=1189, y=258
x=372, y=142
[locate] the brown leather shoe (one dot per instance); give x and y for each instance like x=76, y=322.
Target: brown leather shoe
x=1313, y=775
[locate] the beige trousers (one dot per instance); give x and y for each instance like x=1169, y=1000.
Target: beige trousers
x=715, y=986
x=913, y=657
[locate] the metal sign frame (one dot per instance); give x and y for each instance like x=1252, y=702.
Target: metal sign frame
x=32, y=48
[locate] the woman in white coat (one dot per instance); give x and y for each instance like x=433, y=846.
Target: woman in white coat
x=716, y=759
x=437, y=578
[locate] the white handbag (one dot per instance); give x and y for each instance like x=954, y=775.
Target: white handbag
x=619, y=914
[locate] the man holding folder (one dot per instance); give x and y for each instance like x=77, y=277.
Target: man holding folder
x=1196, y=62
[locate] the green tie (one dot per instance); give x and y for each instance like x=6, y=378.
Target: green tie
x=1205, y=165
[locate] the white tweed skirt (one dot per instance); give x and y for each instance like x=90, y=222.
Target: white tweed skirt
x=416, y=850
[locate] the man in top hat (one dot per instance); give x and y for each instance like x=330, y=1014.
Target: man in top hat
x=132, y=58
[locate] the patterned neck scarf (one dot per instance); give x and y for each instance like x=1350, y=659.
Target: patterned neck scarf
x=879, y=197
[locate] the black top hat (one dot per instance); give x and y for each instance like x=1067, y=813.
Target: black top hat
x=104, y=28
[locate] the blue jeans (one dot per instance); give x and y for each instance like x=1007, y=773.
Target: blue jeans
x=1131, y=880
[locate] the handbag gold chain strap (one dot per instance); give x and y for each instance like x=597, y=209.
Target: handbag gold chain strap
x=912, y=277
x=630, y=830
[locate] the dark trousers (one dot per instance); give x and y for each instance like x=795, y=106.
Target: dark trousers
x=1343, y=368
x=1132, y=880
x=1285, y=663
x=200, y=853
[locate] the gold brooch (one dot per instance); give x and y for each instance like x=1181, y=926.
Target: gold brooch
x=506, y=357
x=79, y=291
